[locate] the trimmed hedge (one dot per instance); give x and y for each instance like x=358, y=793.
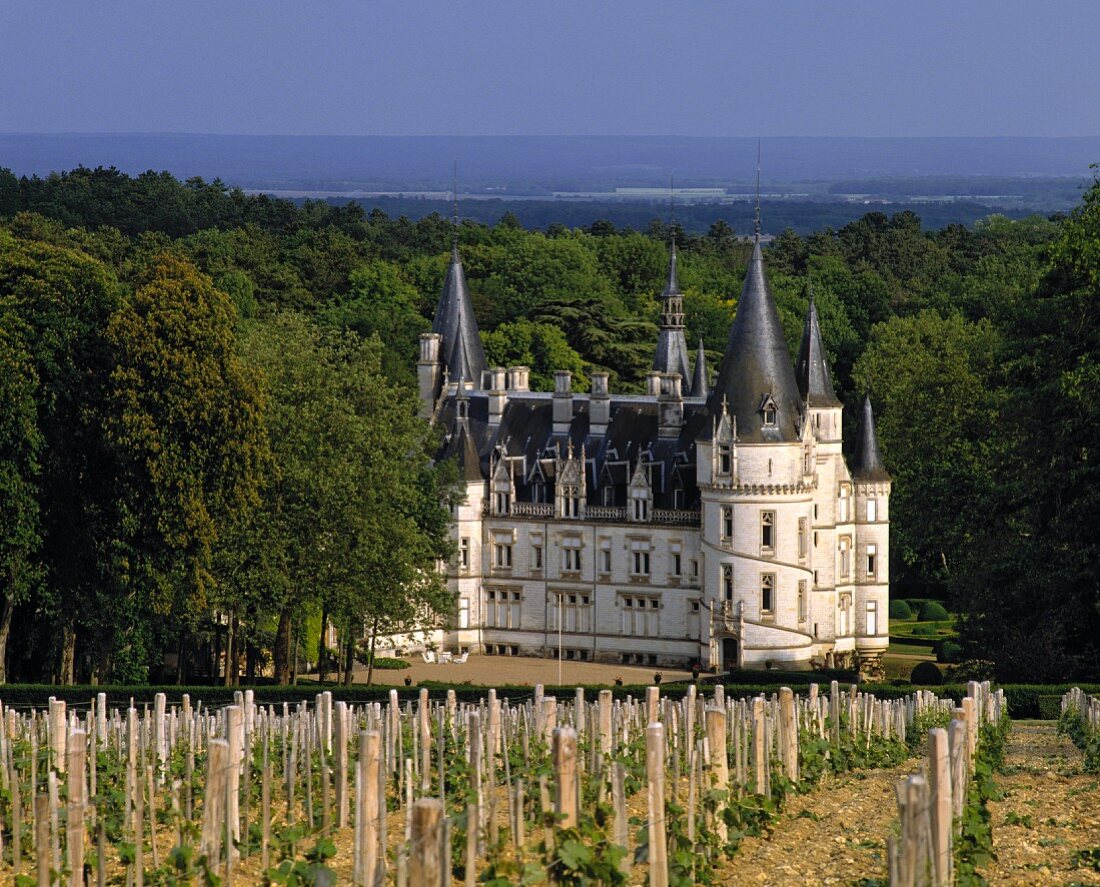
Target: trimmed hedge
x=932, y=611
x=899, y=609
x=927, y=673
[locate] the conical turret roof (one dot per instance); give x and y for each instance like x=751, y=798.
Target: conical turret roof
x=671, y=353
x=756, y=367
x=815, y=382
x=700, y=383
x=867, y=461
x=460, y=349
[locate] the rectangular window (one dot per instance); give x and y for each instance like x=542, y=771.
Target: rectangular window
x=842, y=505
x=464, y=553
x=605, y=555
x=844, y=544
x=676, y=567
x=727, y=523
x=872, y=510
x=678, y=498
x=724, y=459
x=536, y=557
x=802, y=537
x=571, y=612
x=871, y=553
x=801, y=600
x=503, y=503
x=502, y=555
x=571, y=560
x=639, y=558
x=767, y=593
x=640, y=616
x=463, y=612
x=767, y=530
x=727, y=582
x=872, y=618
x=641, y=508
x=609, y=495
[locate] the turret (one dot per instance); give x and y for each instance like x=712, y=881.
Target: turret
x=671, y=354
x=700, y=383
x=872, y=545
x=815, y=382
x=756, y=378
x=460, y=348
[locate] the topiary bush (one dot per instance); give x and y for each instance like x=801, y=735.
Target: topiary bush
x=949, y=652
x=926, y=674
x=924, y=631
x=932, y=611
x=899, y=609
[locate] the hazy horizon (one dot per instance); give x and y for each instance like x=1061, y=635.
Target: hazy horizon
x=995, y=68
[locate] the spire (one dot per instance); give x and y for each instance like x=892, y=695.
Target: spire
x=672, y=286
x=460, y=349
x=700, y=386
x=867, y=462
x=671, y=354
x=756, y=219
x=815, y=383
x=756, y=367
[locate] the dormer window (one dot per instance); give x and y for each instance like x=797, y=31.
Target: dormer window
x=724, y=459
x=538, y=491
x=769, y=411
x=609, y=495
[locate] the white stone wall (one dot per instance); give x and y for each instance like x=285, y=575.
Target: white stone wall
x=679, y=628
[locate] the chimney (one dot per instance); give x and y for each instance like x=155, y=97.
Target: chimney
x=519, y=378
x=428, y=373
x=599, y=412
x=498, y=397
x=670, y=406
x=563, y=401
x=653, y=383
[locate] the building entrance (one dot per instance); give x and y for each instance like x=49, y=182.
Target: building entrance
x=729, y=653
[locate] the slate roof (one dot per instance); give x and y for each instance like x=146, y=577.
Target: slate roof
x=460, y=349
x=756, y=365
x=526, y=434
x=700, y=383
x=867, y=464
x=815, y=382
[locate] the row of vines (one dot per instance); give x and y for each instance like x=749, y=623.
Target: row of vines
x=574, y=790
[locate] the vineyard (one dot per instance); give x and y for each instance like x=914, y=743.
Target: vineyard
x=575, y=790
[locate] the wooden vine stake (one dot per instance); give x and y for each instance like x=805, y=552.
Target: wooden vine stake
x=426, y=862
x=655, y=775
x=367, y=806
x=940, y=809
x=75, y=831
x=565, y=775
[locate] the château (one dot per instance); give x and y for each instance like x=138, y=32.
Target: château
x=705, y=521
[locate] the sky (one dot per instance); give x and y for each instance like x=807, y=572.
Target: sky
x=629, y=67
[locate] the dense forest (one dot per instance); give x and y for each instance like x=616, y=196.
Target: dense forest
x=206, y=409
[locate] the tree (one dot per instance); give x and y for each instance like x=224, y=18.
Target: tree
x=187, y=426
x=1029, y=590
x=540, y=346
x=353, y=517
x=20, y=449
x=929, y=379
x=59, y=302
x=383, y=303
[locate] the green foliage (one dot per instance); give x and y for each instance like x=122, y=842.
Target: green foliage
x=899, y=609
x=1075, y=725
x=932, y=611
x=926, y=674
x=973, y=847
x=540, y=346
x=949, y=652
